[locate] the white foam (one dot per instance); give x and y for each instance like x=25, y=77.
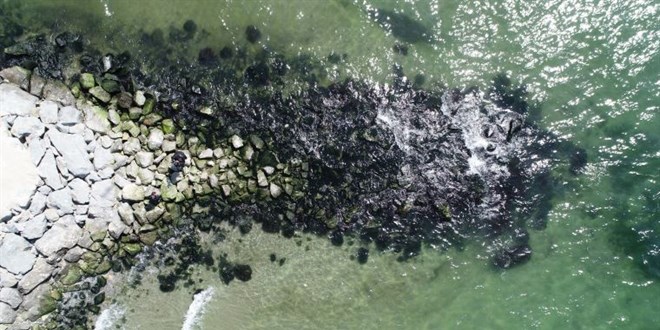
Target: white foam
x=109, y=318
x=196, y=309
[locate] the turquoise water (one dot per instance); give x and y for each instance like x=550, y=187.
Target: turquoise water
x=592, y=65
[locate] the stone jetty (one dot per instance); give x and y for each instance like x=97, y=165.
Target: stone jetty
x=112, y=173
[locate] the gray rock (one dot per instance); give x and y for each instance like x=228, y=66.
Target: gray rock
x=51, y=215
x=154, y=214
x=16, y=253
x=262, y=181
x=14, y=101
x=39, y=273
x=155, y=139
x=113, y=117
x=61, y=200
x=139, y=98
x=74, y=254
x=32, y=302
x=144, y=158
x=24, y=126
x=7, y=314
x=116, y=227
x=37, y=84
x=120, y=160
x=63, y=235
x=102, y=198
x=47, y=170
x=48, y=112
x=62, y=168
x=168, y=146
x=131, y=146
x=275, y=190
x=236, y=141
x=57, y=91
x=7, y=279
x=69, y=116
x=73, y=149
x=99, y=93
x=106, y=173
x=17, y=75
x=79, y=191
x=140, y=213
x=11, y=296
x=37, y=148
x=103, y=158
x=105, y=141
x=133, y=193
x=126, y=213
x=96, y=118
x=38, y=203
x=35, y=227
x=146, y=176
x=206, y=154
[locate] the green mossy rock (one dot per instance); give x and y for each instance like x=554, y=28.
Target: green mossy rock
x=47, y=305
x=132, y=248
x=148, y=106
x=168, y=126
x=72, y=275
x=111, y=86
x=168, y=192
x=87, y=80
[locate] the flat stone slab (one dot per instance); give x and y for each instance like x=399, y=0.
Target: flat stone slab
x=16, y=253
x=63, y=235
x=15, y=101
x=18, y=174
x=74, y=150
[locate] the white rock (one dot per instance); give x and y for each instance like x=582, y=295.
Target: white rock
x=120, y=160
x=139, y=98
x=79, y=191
x=34, y=228
x=74, y=150
x=103, y=194
x=24, y=126
x=206, y=154
x=16, y=253
x=61, y=200
x=47, y=170
x=275, y=190
x=126, y=213
x=48, y=112
x=16, y=101
x=155, y=140
x=103, y=158
x=11, y=296
x=38, y=203
x=39, y=273
x=144, y=158
x=96, y=118
x=236, y=141
x=131, y=146
x=168, y=146
x=261, y=179
x=146, y=176
x=7, y=279
x=7, y=314
x=116, y=227
x=69, y=116
x=37, y=148
x=133, y=193
x=106, y=173
x=51, y=215
x=63, y=235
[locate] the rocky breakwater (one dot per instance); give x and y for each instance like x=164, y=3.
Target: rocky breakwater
x=114, y=175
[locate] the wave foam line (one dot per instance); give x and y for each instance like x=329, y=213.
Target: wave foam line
x=196, y=309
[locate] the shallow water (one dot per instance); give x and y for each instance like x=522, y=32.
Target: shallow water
x=593, y=66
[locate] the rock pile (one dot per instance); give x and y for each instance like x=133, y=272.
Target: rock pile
x=113, y=174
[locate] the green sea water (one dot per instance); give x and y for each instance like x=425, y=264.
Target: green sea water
x=593, y=66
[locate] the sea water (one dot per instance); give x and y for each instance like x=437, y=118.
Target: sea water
x=593, y=67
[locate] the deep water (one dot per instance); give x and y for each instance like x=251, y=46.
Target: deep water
x=587, y=209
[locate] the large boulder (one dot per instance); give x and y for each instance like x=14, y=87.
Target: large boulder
x=39, y=273
x=16, y=253
x=63, y=235
x=47, y=170
x=15, y=101
x=74, y=150
x=27, y=126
